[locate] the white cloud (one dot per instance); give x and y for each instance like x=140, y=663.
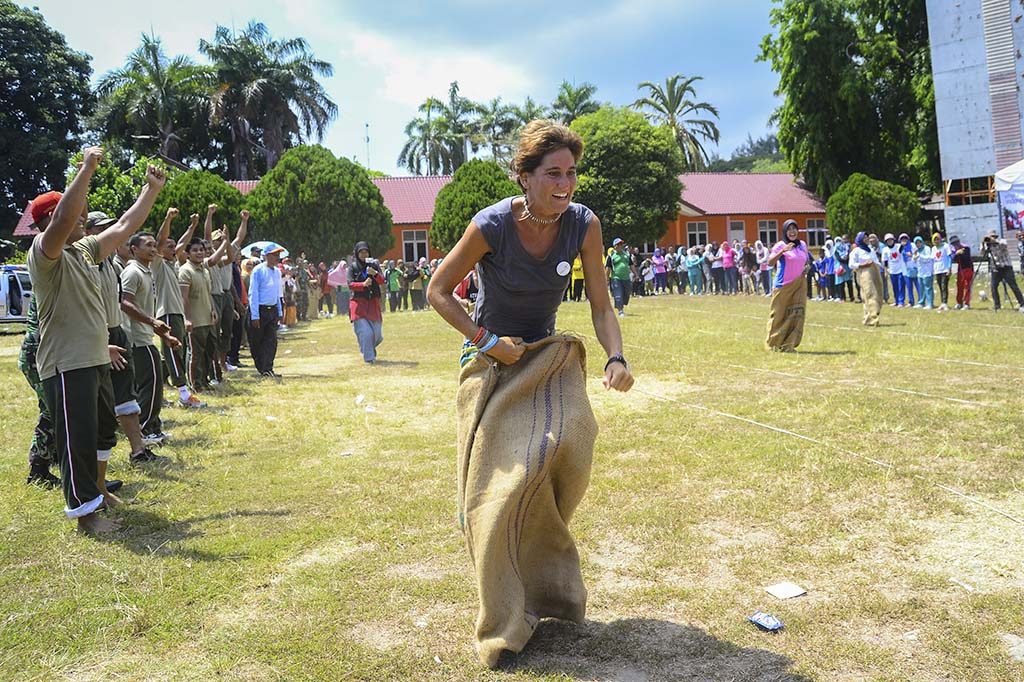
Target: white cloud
x=410, y=73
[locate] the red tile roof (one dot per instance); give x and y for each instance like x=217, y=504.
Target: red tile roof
x=411, y=199
x=23, y=228
x=244, y=186
x=740, y=193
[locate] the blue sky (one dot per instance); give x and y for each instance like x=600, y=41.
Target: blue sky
x=389, y=56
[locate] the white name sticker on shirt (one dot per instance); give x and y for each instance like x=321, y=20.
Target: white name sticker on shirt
x=563, y=268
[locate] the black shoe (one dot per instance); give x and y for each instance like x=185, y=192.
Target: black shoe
x=145, y=457
x=42, y=477
x=114, y=485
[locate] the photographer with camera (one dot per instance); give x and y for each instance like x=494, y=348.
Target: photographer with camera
x=365, y=279
x=1002, y=268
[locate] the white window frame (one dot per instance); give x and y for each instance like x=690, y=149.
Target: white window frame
x=739, y=227
x=816, y=232
x=768, y=232
x=419, y=241
x=696, y=233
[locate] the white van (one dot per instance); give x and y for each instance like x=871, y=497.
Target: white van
x=15, y=292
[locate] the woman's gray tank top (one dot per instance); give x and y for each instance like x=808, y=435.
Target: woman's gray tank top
x=519, y=294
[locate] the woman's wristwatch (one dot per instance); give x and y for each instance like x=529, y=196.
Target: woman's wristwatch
x=616, y=358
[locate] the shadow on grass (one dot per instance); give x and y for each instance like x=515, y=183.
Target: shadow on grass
x=149, y=534
x=824, y=352
x=645, y=649
x=409, y=364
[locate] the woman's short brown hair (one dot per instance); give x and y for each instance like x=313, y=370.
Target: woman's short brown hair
x=539, y=138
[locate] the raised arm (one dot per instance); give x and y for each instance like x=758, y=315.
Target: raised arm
x=243, y=230
x=215, y=257
x=118, y=233
x=179, y=248
x=165, y=228
x=208, y=224
x=71, y=205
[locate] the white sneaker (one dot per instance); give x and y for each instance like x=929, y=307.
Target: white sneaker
x=214, y=383
x=229, y=367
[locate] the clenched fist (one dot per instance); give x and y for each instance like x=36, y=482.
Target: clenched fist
x=91, y=157
x=155, y=177
x=172, y=213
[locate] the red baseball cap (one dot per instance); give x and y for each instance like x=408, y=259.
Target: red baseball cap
x=43, y=205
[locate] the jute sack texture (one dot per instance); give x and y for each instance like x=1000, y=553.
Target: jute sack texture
x=525, y=442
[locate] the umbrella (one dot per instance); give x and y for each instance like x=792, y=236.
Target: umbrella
x=259, y=246
x=1010, y=177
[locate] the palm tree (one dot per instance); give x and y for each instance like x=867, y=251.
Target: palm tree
x=268, y=93
x=529, y=111
x=573, y=102
x=671, y=106
x=445, y=138
x=153, y=96
x=497, y=123
x=426, y=143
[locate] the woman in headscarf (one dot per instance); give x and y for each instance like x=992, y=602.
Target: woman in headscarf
x=764, y=272
x=789, y=299
x=828, y=257
x=660, y=272
x=519, y=484
x=844, y=280
x=714, y=256
x=867, y=269
x=364, y=282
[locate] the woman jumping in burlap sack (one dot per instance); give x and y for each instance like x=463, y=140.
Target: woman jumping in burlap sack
x=789, y=297
x=525, y=429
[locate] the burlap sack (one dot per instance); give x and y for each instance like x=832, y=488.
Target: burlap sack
x=786, y=316
x=870, y=282
x=525, y=441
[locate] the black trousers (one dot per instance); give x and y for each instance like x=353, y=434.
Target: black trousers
x=999, y=276
x=237, y=331
x=577, y=290
x=263, y=339
x=149, y=387
x=82, y=404
x=393, y=300
x=174, y=358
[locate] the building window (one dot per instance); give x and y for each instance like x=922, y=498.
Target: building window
x=816, y=232
x=696, y=234
x=414, y=245
x=737, y=230
x=768, y=231
x=647, y=248
x=967, y=191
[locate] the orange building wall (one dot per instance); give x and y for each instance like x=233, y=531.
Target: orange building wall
x=718, y=226
x=396, y=251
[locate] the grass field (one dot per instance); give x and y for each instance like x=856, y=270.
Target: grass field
x=306, y=530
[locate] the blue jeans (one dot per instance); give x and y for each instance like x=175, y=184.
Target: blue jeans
x=732, y=279
x=898, y=291
x=620, y=292
x=909, y=284
x=369, y=333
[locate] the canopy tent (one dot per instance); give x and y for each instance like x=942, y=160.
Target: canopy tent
x=1011, y=178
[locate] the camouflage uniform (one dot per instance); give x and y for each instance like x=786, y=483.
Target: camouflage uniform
x=43, y=449
x=302, y=304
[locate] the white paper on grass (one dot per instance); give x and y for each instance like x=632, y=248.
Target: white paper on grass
x=785, y=590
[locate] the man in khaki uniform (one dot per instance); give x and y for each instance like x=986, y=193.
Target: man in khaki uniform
x=170, y=308
x=73, y=358
x=138, y=289
x=195, y=283
x=223, y=289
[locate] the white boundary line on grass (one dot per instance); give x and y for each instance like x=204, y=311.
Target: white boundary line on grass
x=829, y=326
x=850, y=453
x=953, y=362
x=818, y=380
x=874, y=387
